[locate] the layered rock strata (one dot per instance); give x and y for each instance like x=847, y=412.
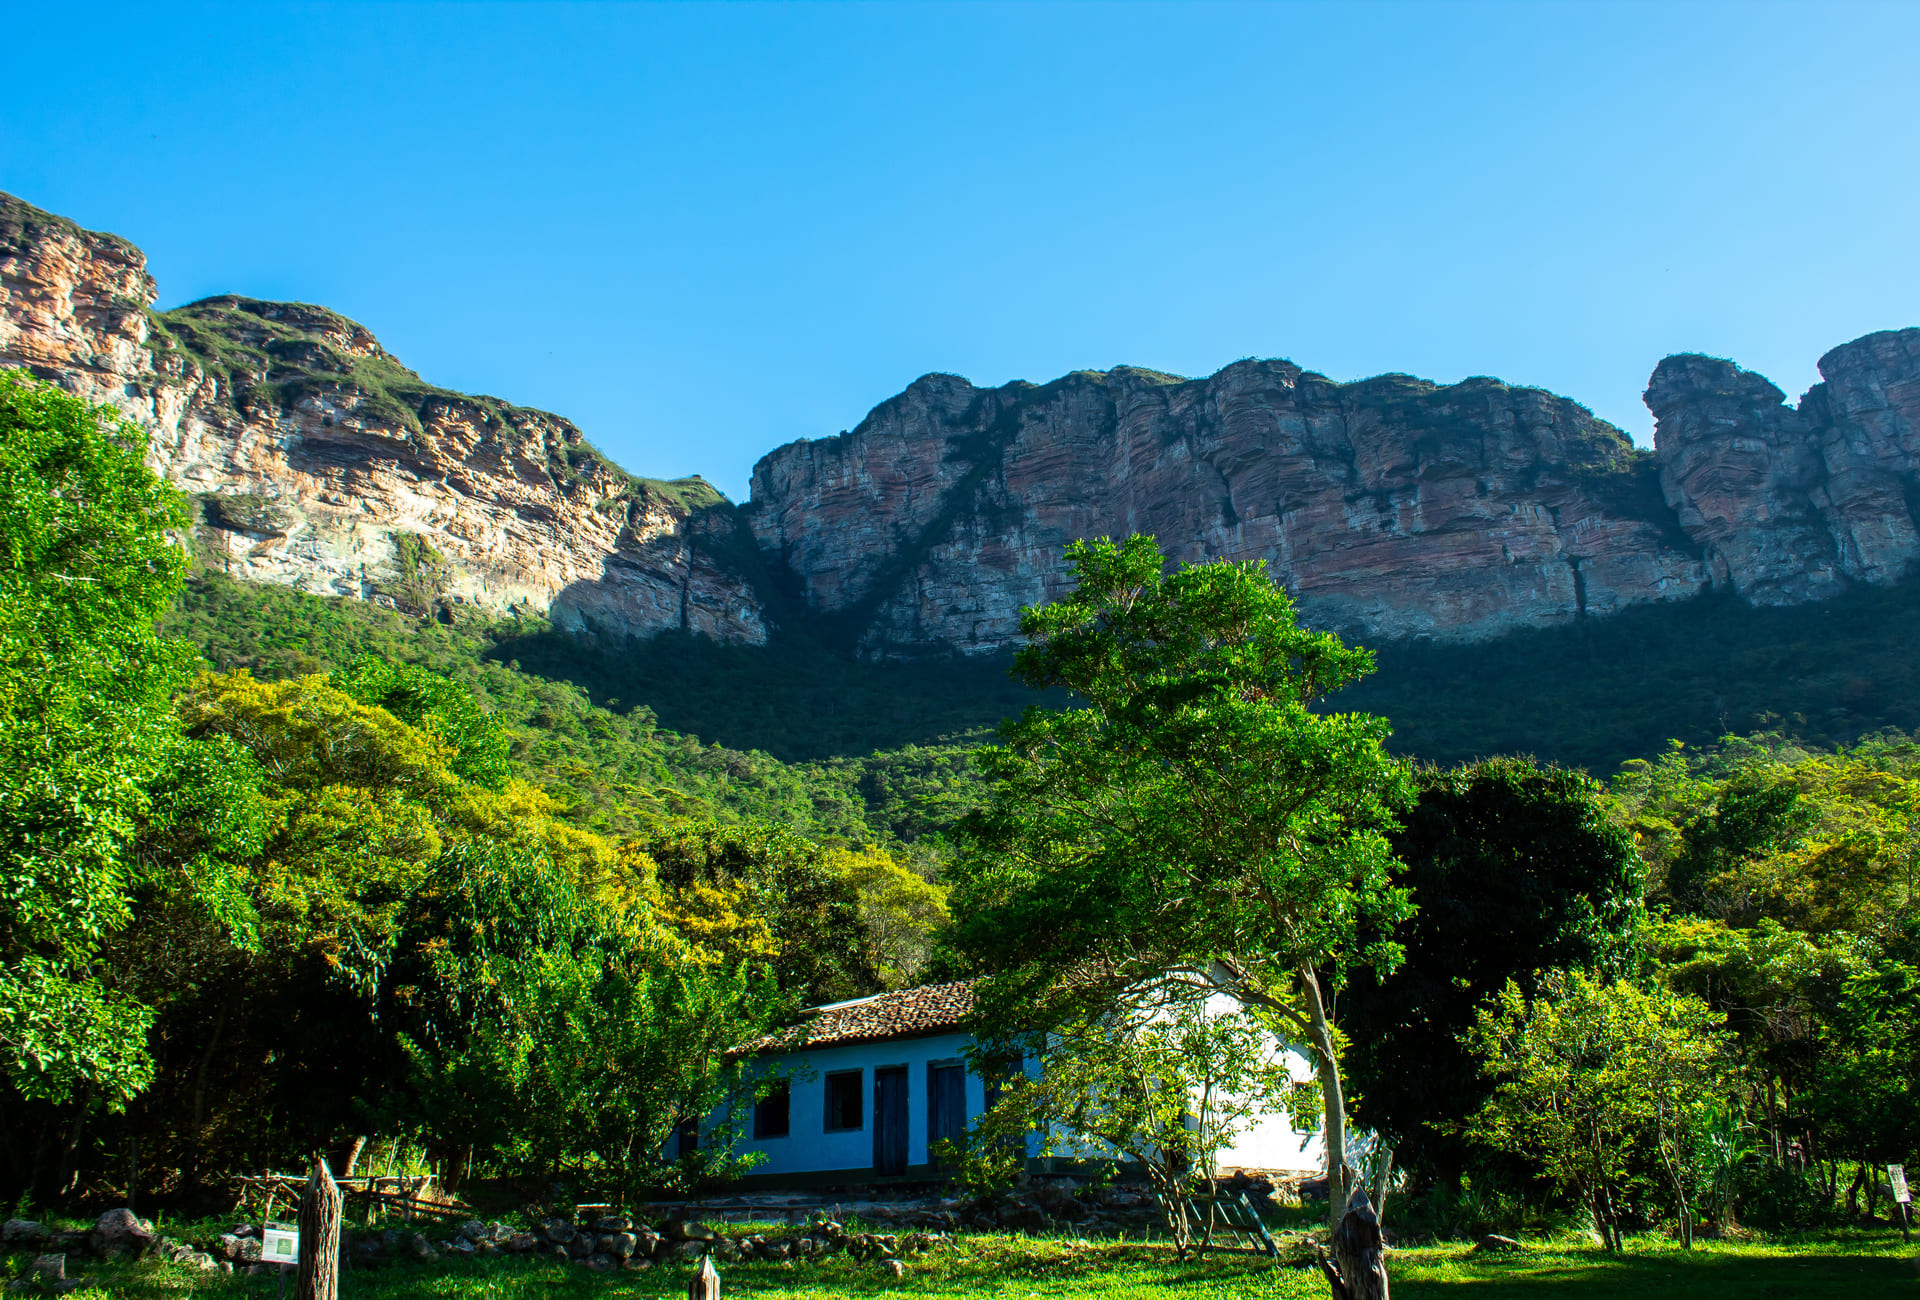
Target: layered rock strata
x=1391, y=507
x=1790, y=503
x=317, y=459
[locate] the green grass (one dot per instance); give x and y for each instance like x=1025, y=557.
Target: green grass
x=1840, y=1264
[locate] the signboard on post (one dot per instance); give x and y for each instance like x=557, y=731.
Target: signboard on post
x=1897, y=1177
x=279, y=1245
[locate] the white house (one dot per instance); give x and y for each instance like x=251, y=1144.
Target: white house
x=873, y=1082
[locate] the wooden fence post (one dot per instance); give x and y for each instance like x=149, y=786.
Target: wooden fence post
x=319, y=1236
x=706, y=1283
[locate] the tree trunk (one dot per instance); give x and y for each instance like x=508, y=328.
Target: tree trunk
x=1331, y=1094
x=319, y=1236
x=353, y=1156
x=1359, y=1268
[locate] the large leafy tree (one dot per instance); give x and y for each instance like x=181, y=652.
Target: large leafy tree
x=1591, y=1075
x=759, y=892
x=1192, y=819
x=1516, y=869
x=86, y=562
x=545, y=1032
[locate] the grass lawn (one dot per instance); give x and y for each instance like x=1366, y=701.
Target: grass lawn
x=1836, y=1264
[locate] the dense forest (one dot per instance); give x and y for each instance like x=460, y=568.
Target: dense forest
x=286, y=873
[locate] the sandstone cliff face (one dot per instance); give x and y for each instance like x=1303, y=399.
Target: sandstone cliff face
x=1792, y=502
x=319, y=461
x=1390, y=507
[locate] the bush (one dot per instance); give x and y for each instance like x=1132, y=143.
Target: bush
x=1772, y=1197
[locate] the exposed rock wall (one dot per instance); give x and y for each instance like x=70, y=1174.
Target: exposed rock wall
x=1392, y=507
x=1790, y=503
x=315, y=456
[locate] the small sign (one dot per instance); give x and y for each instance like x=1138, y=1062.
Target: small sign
x=279, y=1245
x=1897, y=1175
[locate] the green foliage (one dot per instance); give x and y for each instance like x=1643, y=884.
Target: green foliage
x=1515, y=869
x=85, y=564
x=549, y=1035
x=902, y=910
x=1607, y=690
x=819, y=949
x=437, y=706
x=1590, y=1074
x=1152, y=1079
x=611, y=766
x=416, y=576
x=1868, y=1071
x=1194, y=814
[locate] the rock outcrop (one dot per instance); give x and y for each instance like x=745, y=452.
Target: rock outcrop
x=1391, y=507
x=1791, y=503
x=317, y=459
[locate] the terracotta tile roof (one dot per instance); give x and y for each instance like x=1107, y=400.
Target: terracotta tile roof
x=909, y=1013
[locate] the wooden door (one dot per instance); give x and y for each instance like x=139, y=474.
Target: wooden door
x=890, y=1120
x=946, y=1105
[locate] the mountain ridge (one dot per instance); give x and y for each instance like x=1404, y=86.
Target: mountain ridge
x=1392, y=507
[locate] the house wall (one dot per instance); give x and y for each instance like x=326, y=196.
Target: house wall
x=1272, y=1142
x=809, y=1151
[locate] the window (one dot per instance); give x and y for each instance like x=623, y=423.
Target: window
x=772, y=1113
x=686, y=1138
x=843, y=1101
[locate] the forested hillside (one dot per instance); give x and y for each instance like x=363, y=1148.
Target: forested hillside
x=586, y=723
x=1594, y=695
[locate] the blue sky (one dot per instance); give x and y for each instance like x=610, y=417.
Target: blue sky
x=703, y=231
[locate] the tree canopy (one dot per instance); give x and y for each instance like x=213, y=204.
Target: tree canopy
x=1516, y=869
x=1192, y=818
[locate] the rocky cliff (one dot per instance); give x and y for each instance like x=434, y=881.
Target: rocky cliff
x=1790, y=503
x=317, y=459
x=1391, y=507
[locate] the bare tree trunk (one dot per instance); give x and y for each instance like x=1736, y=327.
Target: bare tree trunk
x=1331, y=1094
x=353, y=1156
x=319, y=1236
x=1359, y=1267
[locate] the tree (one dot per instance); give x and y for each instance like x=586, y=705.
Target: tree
x=1516, y=869
x=1192, y=821
x=1156, y=1079
x=547, y=1033
x=753, y=884
x=86, y=563
x=1588, y=1075
x=901, y=909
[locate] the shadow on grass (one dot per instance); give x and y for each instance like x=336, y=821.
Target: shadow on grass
x=1835, y=1268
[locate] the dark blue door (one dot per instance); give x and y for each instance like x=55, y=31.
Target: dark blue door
x=890, y=1120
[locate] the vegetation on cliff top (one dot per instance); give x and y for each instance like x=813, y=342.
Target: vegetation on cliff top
x=280, y=352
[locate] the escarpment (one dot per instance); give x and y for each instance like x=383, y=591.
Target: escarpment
x=1790, y=503
x=316, y=459
x=1390, y=507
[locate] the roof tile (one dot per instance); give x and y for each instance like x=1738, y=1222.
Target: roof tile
x=908, y=1013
